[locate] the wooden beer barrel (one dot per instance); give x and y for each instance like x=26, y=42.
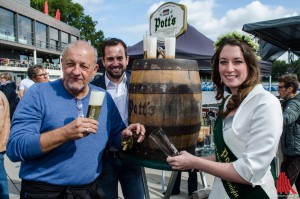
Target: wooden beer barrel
x=165, y=93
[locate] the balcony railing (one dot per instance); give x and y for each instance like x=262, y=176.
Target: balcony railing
x=25, y=64
x=12, y=37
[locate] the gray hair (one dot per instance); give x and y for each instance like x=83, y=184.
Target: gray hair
x=81, y=43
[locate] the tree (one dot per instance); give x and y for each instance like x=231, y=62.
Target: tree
x=296, y=68
x=281, y=67
x=73, y=15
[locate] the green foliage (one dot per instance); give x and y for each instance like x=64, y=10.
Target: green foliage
x=295, y=66
x=73, y=15
x=241, y=37
x=280, y=67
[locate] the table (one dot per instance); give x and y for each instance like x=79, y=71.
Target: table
x=160, y=165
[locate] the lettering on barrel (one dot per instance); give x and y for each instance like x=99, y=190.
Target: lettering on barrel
x=146, y=108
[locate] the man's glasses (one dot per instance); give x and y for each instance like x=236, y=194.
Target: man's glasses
x=281, y=87
x=43, y=74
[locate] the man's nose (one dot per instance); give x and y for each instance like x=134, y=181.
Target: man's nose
x=76, y=69
x=115, y=62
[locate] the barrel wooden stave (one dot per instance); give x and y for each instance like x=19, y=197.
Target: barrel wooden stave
x=166, y=95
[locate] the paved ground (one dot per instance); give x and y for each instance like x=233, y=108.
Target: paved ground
x=154, y=178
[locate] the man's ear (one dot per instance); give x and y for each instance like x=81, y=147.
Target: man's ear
x=127, y=60
x=96, y=68
x=290, y=89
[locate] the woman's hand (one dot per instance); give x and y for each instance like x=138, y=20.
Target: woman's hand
x=183, y=161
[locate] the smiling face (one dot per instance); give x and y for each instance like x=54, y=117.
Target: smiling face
x=78, y=68
x=115, y=62
x=232, y=67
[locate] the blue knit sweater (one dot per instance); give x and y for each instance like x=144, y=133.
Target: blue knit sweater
x=48, y=106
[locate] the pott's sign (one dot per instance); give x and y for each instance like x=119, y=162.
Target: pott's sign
x=168, y=20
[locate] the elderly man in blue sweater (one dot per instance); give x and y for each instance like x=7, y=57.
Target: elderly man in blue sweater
x=60, y=150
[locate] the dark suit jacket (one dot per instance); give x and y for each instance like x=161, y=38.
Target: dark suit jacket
x=100, y=80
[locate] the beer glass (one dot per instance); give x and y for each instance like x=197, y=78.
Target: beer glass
x=151, y=46
x=95, y=104
x=145, y=46
x=161, y=139
x=170, y=47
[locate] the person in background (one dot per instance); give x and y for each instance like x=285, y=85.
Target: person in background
x=247, y=129
x=39, y=74
x=26, y=83
x=61, y=151
x=116, y=81
x=8, y=87
x=290, y=139
x=192, y=183
x=4, y=133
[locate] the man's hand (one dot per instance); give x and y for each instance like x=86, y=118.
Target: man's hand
x=78, y=128
x=136, y=128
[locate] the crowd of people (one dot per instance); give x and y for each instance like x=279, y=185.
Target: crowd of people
x=65, y=155
x=27, y=64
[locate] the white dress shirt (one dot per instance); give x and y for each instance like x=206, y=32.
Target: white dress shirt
x=119, y=93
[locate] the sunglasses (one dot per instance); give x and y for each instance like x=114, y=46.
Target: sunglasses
x=281, y=87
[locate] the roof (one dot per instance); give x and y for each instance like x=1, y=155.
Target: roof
x=283, y=33
x=190, y=45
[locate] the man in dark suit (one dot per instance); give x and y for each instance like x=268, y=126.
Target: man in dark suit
x=115, y=80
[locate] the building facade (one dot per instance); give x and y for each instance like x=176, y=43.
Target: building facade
x=28, y=36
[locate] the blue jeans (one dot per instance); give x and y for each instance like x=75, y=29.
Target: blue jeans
x=3, y=180
x=117, y=169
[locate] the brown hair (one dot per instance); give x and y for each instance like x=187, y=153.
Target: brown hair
x=252, y=80
x=113, y=42
x=34, y=70
x=6, y=76
x=290, y=80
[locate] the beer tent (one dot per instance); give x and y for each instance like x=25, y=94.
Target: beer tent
x=277, y=36
x=191, y=45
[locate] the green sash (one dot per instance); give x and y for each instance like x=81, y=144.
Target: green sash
x=223, y=154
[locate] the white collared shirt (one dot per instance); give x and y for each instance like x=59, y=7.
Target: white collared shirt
x=119, y=93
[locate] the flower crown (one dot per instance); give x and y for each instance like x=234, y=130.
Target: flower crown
x=236, y=35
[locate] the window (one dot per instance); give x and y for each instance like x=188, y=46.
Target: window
x=25, y=30
x=7, y=29
x=73, y=38
x=64, y=40
x=53, y=39
x=41, y=35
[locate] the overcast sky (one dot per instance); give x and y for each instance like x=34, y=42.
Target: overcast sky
x=129, y=19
